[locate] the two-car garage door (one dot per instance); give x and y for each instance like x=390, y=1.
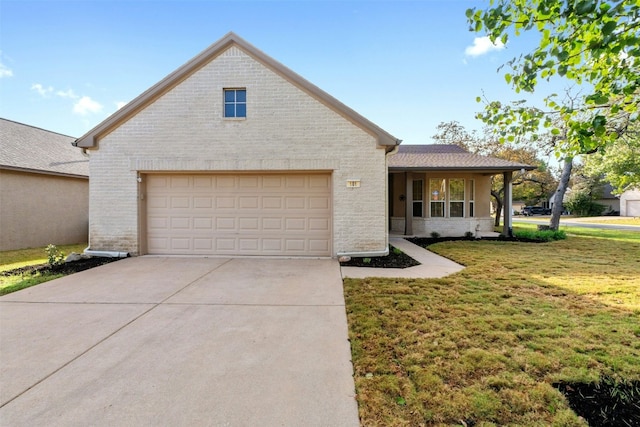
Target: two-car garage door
x=247, y=214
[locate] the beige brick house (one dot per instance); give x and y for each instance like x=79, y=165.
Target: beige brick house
x=44, y=188
x=234, y=154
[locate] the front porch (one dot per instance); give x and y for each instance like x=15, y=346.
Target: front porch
x=446, y=190
x=445, y=227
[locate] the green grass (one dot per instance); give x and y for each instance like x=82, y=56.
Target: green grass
x=600, y=233
x=11, y=260
x=613, y=220
x=485, y=345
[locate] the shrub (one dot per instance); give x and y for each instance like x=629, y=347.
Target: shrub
x=435, y=234
x=542, y=235
x=56, y=257
x=395, y=250
x=581, y=204
x=468, y=235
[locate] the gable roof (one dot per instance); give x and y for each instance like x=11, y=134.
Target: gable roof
x=31, y=149
x=443, y=157
x=89, y=140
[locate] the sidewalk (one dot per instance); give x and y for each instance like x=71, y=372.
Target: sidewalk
x=431, y=265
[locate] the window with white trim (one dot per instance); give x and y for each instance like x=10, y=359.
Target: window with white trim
x=235, y=103
x=472, y=197
x=437, y=197
x=456, y=198
x=417, y=198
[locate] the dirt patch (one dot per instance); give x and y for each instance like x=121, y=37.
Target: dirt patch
x=66, y=268
x=395, y=259
x=607, y=403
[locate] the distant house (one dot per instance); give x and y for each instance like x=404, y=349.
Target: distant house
x=44, y=188
x=444, y=189
x=609, y=200
x=630, y=203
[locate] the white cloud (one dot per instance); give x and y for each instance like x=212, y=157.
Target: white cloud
x=120, y=104
x=86, y=105
x=67, y=94
x=43, y=91
x=482, y=45
x=5, y=71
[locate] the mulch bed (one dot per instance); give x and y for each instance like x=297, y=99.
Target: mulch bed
x=606, y=403
x=66, y=268
x=426, y=241
x=393, y=260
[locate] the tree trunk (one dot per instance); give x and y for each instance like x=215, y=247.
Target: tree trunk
x=498, y=207
x=558, y=197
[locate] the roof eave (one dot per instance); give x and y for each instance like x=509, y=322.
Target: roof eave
x=43, y=172
x=461, y=168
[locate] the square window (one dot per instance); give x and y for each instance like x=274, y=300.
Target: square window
x=235, y=103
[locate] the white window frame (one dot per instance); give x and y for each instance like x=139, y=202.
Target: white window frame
x=450, y=200
x=235, y=103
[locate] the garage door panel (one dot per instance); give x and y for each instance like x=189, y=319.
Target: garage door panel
x=273, y=214
x=633, y=207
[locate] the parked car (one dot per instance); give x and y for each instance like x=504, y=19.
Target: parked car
x=535, y=210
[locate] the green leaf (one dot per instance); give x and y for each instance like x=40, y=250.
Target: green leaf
x=508, y=77
x=400, y=401
x=478, y=99
x=609, y=27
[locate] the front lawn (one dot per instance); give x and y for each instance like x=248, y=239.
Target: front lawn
x=23, y=268
x=486, y=346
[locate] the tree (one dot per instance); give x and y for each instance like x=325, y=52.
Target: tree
x=619, y=164
x=594, y=44
x=532, y=186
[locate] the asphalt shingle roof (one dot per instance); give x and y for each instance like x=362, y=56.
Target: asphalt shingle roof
x=448, y=157
x=29, y=148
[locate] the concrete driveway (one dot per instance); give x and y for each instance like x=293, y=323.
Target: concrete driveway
x=180, y=341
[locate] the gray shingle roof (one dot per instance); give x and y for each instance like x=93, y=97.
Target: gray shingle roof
x=25, y=147
x=448, y=157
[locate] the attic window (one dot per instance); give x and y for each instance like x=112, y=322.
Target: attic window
x=235, y=103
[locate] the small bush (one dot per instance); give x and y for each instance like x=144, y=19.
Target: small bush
x=366, y=260
x=435, y=234
x=56, y=257
x=468, y=235
x=542, y=235
x=395, y=250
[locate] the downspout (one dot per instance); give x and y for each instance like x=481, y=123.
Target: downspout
x=385, y=252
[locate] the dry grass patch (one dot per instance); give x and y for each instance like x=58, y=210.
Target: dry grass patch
x=484, y=346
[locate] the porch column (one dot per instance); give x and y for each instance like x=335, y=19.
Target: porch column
x=408, y=205
x=507, y=229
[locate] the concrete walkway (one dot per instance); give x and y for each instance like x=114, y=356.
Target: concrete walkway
x=180, y=341
x=431, y=265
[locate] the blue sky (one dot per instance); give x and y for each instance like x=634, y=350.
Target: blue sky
x=405, y=65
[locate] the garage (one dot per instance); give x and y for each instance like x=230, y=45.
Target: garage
x=239, y=214
x=633, y=208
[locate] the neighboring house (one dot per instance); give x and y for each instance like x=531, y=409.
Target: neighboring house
x=630, y=203
x=234, y=154
x=44, y=188
x=609, y=200
x=444, y=189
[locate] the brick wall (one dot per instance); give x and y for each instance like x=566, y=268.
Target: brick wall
x=285, y=129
